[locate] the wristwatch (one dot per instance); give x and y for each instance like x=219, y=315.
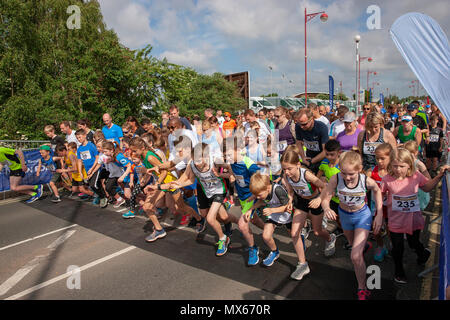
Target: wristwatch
x=159, y=187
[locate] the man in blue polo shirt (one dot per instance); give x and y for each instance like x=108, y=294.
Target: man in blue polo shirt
x=112, y=131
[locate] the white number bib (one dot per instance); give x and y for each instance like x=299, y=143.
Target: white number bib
x=312, y=145
x=405, y=203
x=85, y=155
x=282, y=145
x=434, y=138
x=369, y=147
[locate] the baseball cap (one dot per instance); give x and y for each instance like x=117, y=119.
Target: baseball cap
x=227, y=114
x=406, y=118
x=44, y=147
x=412, y=106
x=349, y=117
x=428, y=106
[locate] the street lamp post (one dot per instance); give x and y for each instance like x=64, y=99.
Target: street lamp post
x=271, y=84
x=308, y=17
x=359, y=71
x=357, y=39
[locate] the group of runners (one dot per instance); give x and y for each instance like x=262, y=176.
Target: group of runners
x=300, y=170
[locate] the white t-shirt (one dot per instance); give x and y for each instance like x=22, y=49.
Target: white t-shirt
x=114, y=170
x=72, y=138
x=175, y=135
x=221, y=120
x=337, y=126
x=325, y=121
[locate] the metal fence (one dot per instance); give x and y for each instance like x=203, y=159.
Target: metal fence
x=23, y=144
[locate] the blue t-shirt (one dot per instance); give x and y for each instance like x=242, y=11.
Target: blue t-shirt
x=87, y=154
x=49, y=164
x=122, y=162
x=113, y=133
x=243, y=171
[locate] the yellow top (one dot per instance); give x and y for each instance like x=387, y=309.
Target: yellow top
x=75, y=175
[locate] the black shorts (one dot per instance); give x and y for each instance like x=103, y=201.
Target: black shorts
x=17, y=173
x=288, y=225
x=302, y=204
x=205, y=202
x=433, y=153
x=77, y=183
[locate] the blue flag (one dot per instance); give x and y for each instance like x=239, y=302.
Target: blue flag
x=370, y=95
x=331, y=90
x=382, y=99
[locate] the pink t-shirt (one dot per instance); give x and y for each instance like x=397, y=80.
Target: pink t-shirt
x=404, y=214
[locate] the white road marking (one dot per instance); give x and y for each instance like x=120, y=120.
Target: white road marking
x=22, y=272
x=68, y=274
x=37, y=237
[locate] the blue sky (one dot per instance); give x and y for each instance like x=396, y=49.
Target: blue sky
x=231, y=36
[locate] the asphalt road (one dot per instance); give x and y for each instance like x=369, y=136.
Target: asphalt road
x=116, y=262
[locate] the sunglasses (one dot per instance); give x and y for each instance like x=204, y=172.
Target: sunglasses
x=171, y=128
x=125, y=132
x=275, y=116
x=304, y=124
x=366, y=108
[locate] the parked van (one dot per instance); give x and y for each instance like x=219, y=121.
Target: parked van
x=258, y=103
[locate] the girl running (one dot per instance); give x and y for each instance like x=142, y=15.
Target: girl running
x=404, y=214
x=356, y=218
x=303, y=186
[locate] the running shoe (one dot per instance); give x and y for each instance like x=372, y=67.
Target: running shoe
x=119, y=203
x=400, y=279
x=128, y=215
x=227, y=205
x=301, y=270
x=253, y=255
x=324, y=222
x=271, y=257
x=32, y=199
x=185, y=219
x=96, y=201
x=55, y=199
x=201, y=225
x=40, y=190
x=157, y=234
x=330, y=247
x=423, y=259
x=103, y=202
x=380, y=252
x=307, y=229
x=363, y=294
x=222, y=247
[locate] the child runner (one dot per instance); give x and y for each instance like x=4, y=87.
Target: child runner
x=97, y=174
x=275, y=200
x=404, y=214
x=47, y=161
x=74, y=167
x=202, y=167
x=434, y=144
x=356, y=218
x=382, y=156
x=86, y=153
x=243, y=168
x=303, y=186
x=15, y=160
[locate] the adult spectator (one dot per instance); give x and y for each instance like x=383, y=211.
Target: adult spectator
x=317, y=116
x=174, y=114
x=85, y=124
x=323, y=111
x=337, y=126
x=147, y=125
x=228, y=126
x=208, y=113
x=215, y=127
x=370, y=138
x=271, y=117
x=285, y=129
x=264, y=130
x=70, y=134
x=420, y=121
x=313, y=135
x=220, y=118
x=348, y=138
x=111, y=131
x=367, y=108
x=164, y=120
x=442, y=122
x=136, y=129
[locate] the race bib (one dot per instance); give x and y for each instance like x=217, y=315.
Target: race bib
x=312, y=145
x=369, y=147
x=240, y=181
x=282, y=145
x=434, y=138
x=352, y=200
x=302, y=191
x=85, y=155
x=405, y=203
